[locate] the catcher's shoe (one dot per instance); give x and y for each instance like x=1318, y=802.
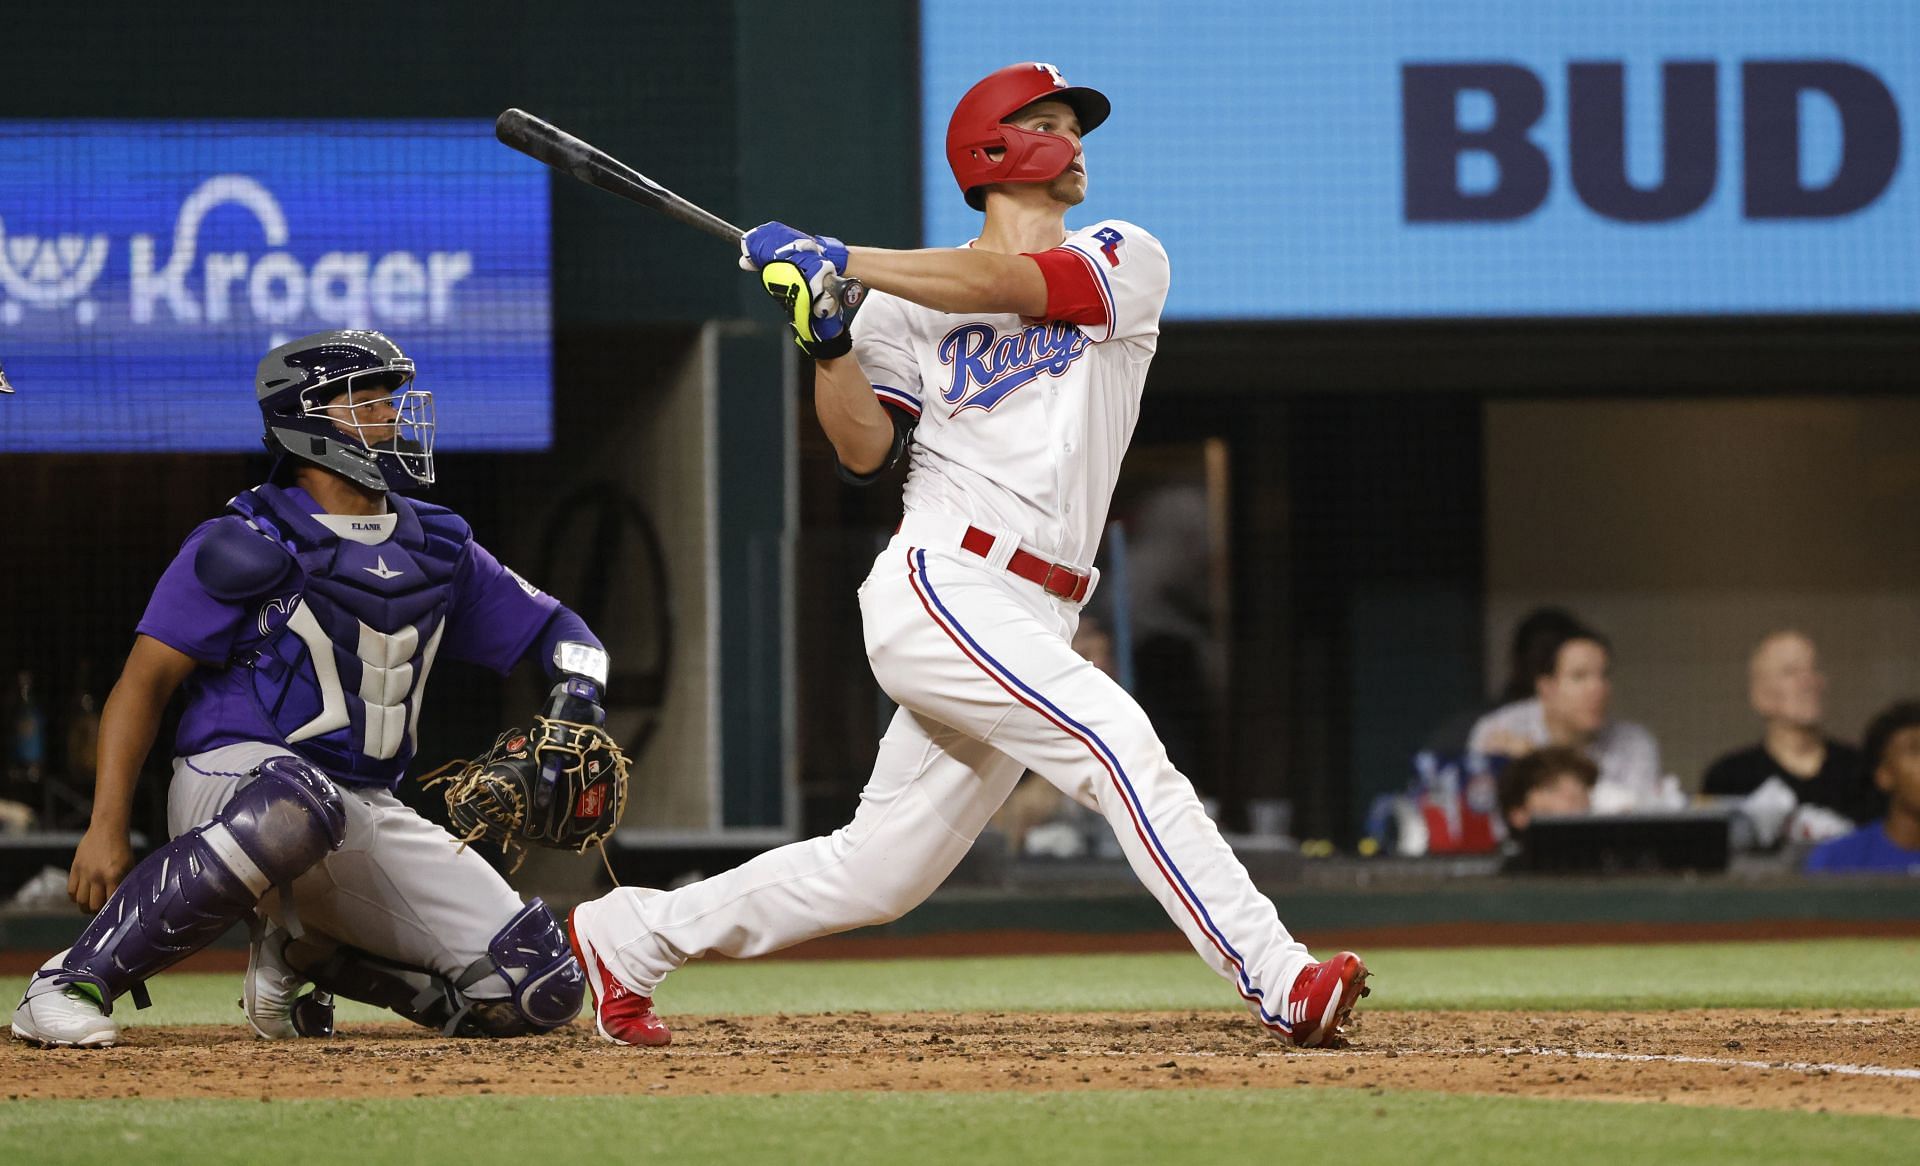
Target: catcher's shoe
x=620, y=1014
x=270, y=995
x=57, y=1014
x=1322, y=999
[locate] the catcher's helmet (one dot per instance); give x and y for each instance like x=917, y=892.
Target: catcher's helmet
x=977, y=127
x=299, y=384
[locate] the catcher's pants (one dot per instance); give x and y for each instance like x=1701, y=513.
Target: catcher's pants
x=988, y=686
x=400, y=887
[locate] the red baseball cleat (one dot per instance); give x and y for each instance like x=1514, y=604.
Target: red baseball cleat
x=1323, y=997
x=620, y=1014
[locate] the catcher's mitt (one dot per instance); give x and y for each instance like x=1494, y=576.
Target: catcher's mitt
x=503, y=797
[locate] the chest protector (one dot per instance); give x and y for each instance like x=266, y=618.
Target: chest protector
x=341, y=680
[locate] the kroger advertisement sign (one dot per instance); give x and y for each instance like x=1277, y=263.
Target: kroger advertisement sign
x=145, y=267
x=1384, y=158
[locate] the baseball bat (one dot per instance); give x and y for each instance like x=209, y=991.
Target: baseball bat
x=545, y=142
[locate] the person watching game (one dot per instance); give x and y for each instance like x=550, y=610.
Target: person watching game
x=1551, y=781
x=1573, y=695
x=1786, y=687
x=1892, y=844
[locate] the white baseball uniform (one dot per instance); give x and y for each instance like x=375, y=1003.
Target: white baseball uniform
x=1021, y=429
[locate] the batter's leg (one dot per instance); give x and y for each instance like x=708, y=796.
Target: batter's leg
x=931, y=793
x=1007, y=673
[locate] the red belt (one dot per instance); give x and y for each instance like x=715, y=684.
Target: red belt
x=1064, y=582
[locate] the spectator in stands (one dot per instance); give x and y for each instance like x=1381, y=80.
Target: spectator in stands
x=1785, y=687
x=1892, y=844
x=1538, y=633
x=1573, y=694
x=1554, y=780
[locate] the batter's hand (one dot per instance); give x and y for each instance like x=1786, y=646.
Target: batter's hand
x=817, y=256
x=821, y=335
x=101, y=860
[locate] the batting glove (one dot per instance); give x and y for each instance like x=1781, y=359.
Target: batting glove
x=817, y=256
x=821, y=334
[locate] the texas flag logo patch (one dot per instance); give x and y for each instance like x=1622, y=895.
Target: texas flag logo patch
x=1110, y=241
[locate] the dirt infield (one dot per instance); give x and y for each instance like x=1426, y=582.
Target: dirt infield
x=1853, y=1062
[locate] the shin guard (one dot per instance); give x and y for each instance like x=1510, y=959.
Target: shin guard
x=186, y=894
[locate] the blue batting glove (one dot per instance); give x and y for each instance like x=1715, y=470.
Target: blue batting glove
x=771, y=242
x=826, y=329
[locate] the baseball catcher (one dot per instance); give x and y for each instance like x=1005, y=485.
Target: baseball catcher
x=304, y=623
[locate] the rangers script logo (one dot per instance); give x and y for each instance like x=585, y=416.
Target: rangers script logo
x=988, y=367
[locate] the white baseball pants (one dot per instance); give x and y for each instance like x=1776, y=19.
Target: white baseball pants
x=988, y=687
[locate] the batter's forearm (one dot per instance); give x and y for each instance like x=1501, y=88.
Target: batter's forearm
x=850, y=415
x=954, y=279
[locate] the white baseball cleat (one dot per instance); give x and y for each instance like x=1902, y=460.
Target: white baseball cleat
x=270, y=988
x=58, y=1015
x=271, y=994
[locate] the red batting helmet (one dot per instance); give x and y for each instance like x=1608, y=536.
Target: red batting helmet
x=977, y=127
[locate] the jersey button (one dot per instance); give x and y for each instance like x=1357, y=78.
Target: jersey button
x=1068, y=447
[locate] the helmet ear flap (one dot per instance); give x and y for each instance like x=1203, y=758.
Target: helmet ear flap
x=1033, y=157
x=1025, y=156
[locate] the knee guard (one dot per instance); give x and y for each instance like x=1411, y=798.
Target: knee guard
x=289, y=817
x=184, y=895
x=531, y=959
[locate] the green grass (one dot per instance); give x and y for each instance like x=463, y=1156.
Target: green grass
x=1806, y=974
x=931, y=1129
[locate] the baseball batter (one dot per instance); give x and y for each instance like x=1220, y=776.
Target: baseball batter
x=305, y=622
x=1012, y=369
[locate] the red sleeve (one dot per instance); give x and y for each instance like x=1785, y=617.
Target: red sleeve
x=1073, y=294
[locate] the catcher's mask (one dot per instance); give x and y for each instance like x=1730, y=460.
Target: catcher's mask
x=340, y=401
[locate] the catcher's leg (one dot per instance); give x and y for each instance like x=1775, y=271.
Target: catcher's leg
x=428, y=929
x=283, y=819
x=931, y=793
x=528, y=982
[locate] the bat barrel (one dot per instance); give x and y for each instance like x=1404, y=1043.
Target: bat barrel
x=548, y=143
x=545, y=142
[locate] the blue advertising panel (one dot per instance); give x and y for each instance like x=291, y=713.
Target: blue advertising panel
x=1460, y=158
x=145, y=267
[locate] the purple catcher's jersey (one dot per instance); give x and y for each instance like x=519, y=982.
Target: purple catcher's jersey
x=333, y=657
